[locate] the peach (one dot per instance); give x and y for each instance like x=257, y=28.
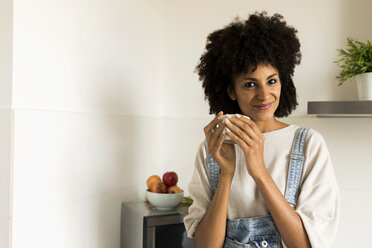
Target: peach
x=158, y=187
x=174, y=190
x=152, y=179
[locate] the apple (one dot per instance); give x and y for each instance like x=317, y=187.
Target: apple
x=152, y=179
x=174, y=190
x=158, y=187
x=170, y=178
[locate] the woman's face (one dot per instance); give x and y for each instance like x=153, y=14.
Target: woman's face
x=258, y=93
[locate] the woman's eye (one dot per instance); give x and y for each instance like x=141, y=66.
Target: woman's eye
x=249, y=85
x=272, y=81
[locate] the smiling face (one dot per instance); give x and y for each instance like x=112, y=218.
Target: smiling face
x=258, y=93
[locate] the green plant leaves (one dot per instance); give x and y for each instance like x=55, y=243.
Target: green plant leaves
x=356, y=59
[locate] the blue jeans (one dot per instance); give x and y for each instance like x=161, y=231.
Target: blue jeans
x=257, y=232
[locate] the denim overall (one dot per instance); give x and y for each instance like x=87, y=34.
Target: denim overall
x=261, y=231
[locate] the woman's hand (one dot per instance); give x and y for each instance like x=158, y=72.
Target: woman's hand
x=223, y=154
x=246, y=134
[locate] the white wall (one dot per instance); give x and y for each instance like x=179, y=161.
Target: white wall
x=87, y=98
x=6, y=17
x=323, y=27
x=89, y=56
x=5, y=176
x=6, y=28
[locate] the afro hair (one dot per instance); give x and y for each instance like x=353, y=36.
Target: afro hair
x=241, y=46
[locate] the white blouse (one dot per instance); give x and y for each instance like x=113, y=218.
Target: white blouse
x=318, y=201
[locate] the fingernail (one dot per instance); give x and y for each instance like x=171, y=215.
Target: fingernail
x=227, y=121
x=237, y=115
x=247, y=117
x=228, y=116
x=228, y=130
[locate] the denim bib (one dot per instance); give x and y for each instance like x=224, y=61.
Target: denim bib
x=261, y=231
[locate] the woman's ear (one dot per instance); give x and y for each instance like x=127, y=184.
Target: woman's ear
x=231, y=93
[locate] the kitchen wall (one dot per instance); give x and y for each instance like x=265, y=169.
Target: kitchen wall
x=104, y=95
x=6, y=16
x=5, y=176
x=6, y=28
x=88, y=126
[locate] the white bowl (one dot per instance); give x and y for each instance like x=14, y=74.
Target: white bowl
x=164, y=201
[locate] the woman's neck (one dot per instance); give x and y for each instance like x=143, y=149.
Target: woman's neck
x=268, y=126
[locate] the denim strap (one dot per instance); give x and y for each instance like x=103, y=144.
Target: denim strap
x=213, y=169
x=296, y=161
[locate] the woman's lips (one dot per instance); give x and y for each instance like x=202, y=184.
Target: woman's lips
x=263, y=106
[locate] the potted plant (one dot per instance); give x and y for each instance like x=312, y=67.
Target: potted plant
x=356, y=61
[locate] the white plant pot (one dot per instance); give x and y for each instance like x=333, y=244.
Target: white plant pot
x=364, y=83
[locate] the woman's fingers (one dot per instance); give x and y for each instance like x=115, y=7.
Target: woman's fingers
x=215, y=137
x=249, y=122
x=219, y=142
x=208, y=130
x=238, y=129
x=237, y=139
x=243, y=128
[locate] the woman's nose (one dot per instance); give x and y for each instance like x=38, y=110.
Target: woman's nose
x=263, y=93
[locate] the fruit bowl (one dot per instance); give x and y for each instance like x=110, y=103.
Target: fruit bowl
x=164, y=201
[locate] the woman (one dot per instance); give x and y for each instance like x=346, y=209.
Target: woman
x=275, y=187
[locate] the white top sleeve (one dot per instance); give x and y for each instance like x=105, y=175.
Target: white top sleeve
x=200, y=191
x=318, y=202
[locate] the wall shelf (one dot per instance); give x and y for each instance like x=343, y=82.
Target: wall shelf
x=340, y=108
